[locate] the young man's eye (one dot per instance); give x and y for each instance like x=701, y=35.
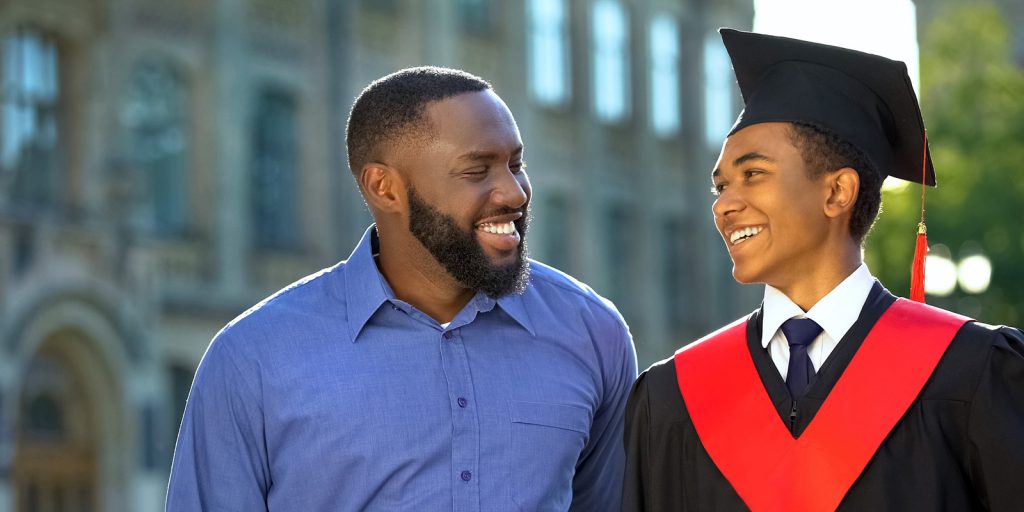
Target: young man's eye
x=749, y=173
x=717, y=189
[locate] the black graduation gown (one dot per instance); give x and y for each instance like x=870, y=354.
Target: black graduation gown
x=960, y=445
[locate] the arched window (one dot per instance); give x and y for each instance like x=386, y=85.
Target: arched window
x=29, y=131
x=274, y=174
x=154, y=114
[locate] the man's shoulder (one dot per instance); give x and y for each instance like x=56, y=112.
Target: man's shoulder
x=291, y=306
x=557, y=289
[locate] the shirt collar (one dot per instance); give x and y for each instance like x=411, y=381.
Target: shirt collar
x=515, y=305
x=836, y=312
x=365, y=289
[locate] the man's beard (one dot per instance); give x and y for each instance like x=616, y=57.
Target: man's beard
x=460, y=253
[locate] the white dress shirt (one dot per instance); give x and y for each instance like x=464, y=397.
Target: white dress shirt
x=835, y=313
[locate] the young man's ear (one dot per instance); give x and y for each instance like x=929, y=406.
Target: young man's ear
x=843, y=189
x=383, y=187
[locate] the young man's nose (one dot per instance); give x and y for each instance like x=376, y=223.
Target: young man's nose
x=727, y=204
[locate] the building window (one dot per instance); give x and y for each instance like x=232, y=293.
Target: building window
x=153, y=112
x=46, y=389
x=44, y=417
x=664, y=76
x=274, y=174
x=558, y=243
x=476, y=16
x=619, y=250
x=674, y=264
x=610, y=40
x=181, y=383
x=548, y=41
x=29, y=135
x=718, y=92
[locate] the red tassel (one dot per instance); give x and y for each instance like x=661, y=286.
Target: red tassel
x=917, y=269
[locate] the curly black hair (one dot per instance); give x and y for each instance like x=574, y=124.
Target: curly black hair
x=393, y=107
x=823, y=151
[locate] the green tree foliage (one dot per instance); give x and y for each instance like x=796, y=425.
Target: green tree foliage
x=972, y=99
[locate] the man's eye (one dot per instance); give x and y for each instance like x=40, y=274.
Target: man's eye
x=717, y=189
x=749, y=173
x=517, y=167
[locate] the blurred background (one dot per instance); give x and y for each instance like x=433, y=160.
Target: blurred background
x=165, y=165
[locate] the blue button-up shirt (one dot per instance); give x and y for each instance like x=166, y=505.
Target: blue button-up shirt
x=335, y=395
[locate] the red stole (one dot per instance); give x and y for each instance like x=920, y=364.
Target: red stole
x=748, y=442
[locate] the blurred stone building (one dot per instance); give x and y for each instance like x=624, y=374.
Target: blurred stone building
x=165, y=165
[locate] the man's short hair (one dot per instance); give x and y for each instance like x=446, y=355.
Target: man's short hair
x=823, y=151
x=393, y=107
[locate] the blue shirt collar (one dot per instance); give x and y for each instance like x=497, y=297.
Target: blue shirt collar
x=515, y=306
x=366, y=290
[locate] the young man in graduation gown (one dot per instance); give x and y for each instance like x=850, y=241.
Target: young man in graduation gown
x=834, y=394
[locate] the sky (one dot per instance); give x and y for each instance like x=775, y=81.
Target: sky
x=882, y=27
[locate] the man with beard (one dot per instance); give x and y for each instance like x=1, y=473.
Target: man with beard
x=437, y=368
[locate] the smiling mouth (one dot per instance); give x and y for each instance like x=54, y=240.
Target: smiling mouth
x=742, y=235
x=503, y=228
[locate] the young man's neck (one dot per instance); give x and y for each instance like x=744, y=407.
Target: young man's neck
x=808, y=286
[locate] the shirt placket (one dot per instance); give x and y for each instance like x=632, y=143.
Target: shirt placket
x=465, y=422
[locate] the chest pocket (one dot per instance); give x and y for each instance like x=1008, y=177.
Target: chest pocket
x=546, y=443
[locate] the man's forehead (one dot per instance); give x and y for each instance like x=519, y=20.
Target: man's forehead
x=477, y=117
x=482, y=106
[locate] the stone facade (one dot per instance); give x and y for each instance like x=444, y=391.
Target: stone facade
x=165, y=165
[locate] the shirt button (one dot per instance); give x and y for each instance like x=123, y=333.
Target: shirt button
x=462, y=402
x=466, y=476
x=447, y=335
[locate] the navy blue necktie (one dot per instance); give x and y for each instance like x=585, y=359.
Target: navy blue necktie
x=799, y=332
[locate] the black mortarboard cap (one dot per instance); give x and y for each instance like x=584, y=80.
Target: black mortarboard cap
x=866, y=99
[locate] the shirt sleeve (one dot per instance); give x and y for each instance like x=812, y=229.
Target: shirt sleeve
x=220, y=459
x=597, y=484
x=996, y=425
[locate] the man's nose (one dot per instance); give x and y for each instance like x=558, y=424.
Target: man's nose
x=511, y=192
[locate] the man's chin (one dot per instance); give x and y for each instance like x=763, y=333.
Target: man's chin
x=504, y=261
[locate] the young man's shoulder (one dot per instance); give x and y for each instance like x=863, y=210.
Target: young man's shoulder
x=977, y=342
x=990, y=335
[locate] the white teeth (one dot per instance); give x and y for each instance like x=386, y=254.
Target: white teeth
x=499, y=229
x=742, y=234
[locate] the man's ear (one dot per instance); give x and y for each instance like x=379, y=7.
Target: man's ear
x=383, y=187
x=843, y=189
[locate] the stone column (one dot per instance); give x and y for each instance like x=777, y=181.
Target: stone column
x=233, y=93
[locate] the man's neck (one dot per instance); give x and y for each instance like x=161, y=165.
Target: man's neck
x=426, y=286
